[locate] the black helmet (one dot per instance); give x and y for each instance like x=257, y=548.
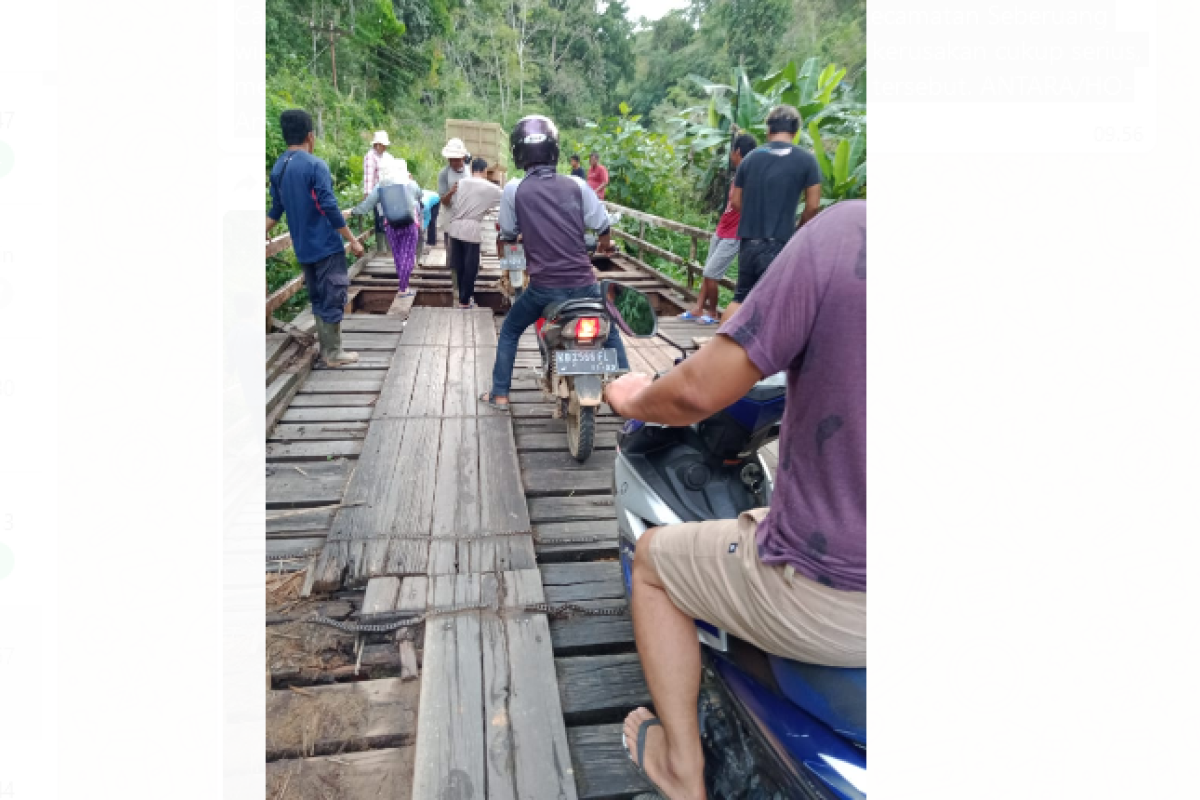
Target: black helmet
x=534, y=141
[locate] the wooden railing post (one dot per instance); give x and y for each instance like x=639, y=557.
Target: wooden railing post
x=691, y=269
x=641, y=235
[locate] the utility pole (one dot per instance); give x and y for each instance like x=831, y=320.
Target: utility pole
x=333, y=34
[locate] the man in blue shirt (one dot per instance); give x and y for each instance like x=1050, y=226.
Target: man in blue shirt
x=302, y=187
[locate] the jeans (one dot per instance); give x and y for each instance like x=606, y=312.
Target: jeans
x=525, y=312
x=328, y=283
x=433, y=215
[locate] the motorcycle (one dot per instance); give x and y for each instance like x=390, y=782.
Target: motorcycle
x=575, y=363
x=771, y=727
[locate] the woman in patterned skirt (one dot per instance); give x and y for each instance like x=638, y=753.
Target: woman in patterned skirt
x=402, y=240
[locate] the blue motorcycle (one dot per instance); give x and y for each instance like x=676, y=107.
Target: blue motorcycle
x=772, y=728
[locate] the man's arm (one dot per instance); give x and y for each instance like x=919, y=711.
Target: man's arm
x=603, y=179
x=688, y=393
x=812, y=203
x=276, y=212
x=735, y=199
x=509, y=227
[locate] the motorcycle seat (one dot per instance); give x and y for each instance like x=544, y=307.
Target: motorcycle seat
x=581, y=304
x=837, y=697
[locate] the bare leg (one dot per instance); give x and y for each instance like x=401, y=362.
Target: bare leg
x=730, y=310
x=670, y=654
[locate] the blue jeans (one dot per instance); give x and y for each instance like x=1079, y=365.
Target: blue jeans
x=525, y=312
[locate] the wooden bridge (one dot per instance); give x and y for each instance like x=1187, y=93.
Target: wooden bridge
x=392, y=492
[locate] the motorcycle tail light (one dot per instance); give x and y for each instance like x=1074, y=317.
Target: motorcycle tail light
x=540, y=323
x=587, y=328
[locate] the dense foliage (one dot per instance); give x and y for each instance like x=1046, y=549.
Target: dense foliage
x=656, y=98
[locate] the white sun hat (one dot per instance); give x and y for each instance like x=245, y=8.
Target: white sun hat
x=454, y=149
x=381, y=137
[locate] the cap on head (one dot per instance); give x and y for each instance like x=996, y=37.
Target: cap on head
x=534, y=141
x=296, y=125
x=783, y=119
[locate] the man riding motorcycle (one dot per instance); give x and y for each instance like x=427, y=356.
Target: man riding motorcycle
x=550, y=212
x=790, y=580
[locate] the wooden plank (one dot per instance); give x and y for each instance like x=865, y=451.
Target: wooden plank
x=602, y=766
x=457, y=503
x=281, y=523
x=450, y=755
x=600, y=688
x=555, y=442
x=334, y=380
x=413, y=593
x=461, y=396
x=659, y=222
x=308, y=451
x=320, y=431
x=566, y=583
x=562, y=541
x=321, y=484
x=381, y=596
x=334, y=417
x=401, y=307
x=502, y=498
x=581, y=634
x=558, y=473
x=370, y=341
x=340, y=718
x=372, y=775
x=570, y=509
x=332, y=400
x=485, y=359
x=430, y=388
x=528, y=758
x=485, y=330
x=371, y=323
x=276, y=343
x=396, y=395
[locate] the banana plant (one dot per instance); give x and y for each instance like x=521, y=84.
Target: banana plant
x=845, y=178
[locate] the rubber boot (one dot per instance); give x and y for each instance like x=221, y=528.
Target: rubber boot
x=330, y=336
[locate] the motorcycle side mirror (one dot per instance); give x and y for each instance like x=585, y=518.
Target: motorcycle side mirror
x=632, y=310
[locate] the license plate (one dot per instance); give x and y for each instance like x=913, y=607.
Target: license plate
x=586, y=362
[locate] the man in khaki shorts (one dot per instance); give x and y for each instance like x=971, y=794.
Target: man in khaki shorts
x=792, y=579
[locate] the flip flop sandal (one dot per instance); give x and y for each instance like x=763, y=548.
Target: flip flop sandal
x=687, y=316
x=707, y=320
x=641, y=753
x=487, y=399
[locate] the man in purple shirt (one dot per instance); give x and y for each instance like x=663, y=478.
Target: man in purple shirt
x=792, y=579
x=550, y=212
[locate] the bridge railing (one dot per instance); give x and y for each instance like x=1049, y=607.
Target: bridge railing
x=690, y=264
x=276, y=299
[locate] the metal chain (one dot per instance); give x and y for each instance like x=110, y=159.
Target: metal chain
x=294, y=555
x=562, y=610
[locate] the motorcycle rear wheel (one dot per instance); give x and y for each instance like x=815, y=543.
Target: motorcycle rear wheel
x=581, y=432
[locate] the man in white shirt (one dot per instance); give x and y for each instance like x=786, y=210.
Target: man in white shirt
x=371, y=161
x=474, y=196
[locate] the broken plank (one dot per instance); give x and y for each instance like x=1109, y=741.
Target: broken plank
x=340, y=718
x=372, y=775
x=381, y=596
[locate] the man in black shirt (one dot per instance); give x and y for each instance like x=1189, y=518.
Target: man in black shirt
x=577, y=169
x=766, y=190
